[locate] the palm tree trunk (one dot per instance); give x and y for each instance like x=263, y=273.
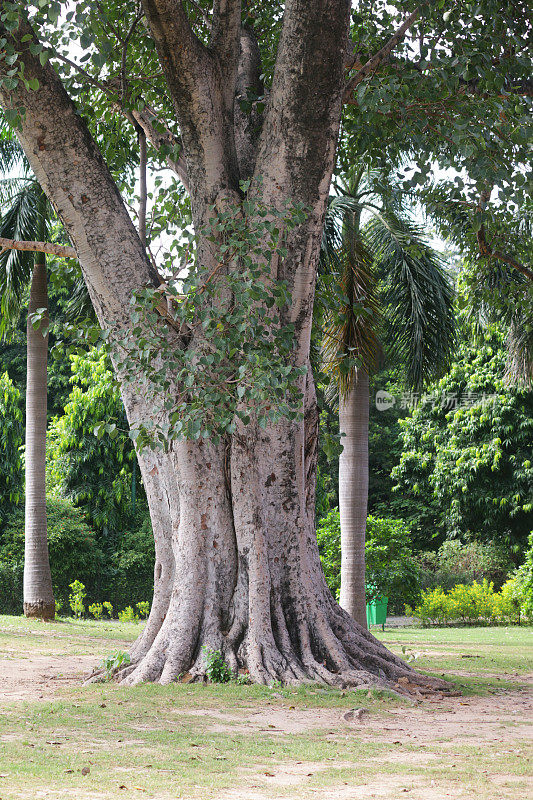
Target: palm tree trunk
x=353, y=495
x=38, y=594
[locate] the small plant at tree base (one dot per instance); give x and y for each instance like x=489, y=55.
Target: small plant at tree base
x=243, y=679
x=216, y=669
x=76, y=598
x=114, y=662
x=108, y=608
x=143, y=608
x=128, y=615
x=96, y=609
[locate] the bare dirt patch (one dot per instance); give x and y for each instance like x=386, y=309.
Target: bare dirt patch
x=39, y=677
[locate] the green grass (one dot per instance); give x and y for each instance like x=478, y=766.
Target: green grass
x=494, y=657
x=196, y=741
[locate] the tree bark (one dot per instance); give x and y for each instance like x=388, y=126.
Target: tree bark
x=38, y=594
x=237, y=566
x=353, y=495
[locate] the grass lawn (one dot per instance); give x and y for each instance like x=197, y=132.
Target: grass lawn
x=59, y=739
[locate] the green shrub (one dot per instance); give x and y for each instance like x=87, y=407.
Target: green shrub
x=11, y=576
x=133, y=567
x=11, y=440
x=108, y=608
x=391, y=568
x=128, y=615
x=114, y=662
x=523, y=578
x=433, y=607
x=143, y=608
x=216, y=669
x=477, y=603
x=76, y=598
x=328, y=536
x=96, y=609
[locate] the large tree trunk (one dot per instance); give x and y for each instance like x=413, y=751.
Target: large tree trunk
x=38, y=594
x=353, y=495
x=237, y=567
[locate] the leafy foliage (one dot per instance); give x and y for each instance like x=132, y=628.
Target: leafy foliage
x=233, y=358
x=473, y=462
x=474, y=603
x=114, y=662
x=92, y=469
x=458, y=562
x=74, y=552
x=391, y=569
x=216, y=669
x=11, y=439
x=520, y=587
x=76, y=597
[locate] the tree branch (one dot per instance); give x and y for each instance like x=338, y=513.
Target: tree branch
x=373, y=63
x=138, y=119
x=144, y=119
x=61, y=250
x=143, y=192
x=195, y=85
x=487, y=252
x=225, y=38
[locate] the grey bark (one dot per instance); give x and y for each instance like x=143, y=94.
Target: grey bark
x=244, y=576
x=353, y=495
x=38, y=594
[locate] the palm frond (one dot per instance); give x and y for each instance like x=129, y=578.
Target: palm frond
x=11, y=153
x=19, y=221
x=347, y=288
x=417, y=297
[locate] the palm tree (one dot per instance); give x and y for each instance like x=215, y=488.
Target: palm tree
x=379, y=277
x=25, y=217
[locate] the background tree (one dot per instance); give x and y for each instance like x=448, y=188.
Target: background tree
x=25, y=217
x=465, y=471
x=391, y=286
x=90, y=455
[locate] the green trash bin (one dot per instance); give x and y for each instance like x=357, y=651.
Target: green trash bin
x=376, y=611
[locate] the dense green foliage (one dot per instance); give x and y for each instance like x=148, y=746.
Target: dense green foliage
x=391, y=568
x=456, y=562
x=231, y=375
x=74, y=552
x=466, y=471
x=11, y=439
x=94, y=470
x=522, y=581
x=121, y=576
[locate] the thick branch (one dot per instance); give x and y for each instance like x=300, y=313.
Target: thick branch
x=299, y=134
x=194, y=82
x=143, y=192
x=373, y=63
x=70, y=168
x=487, y=252
x=145, y=119
x=225, y=35
x=61, y=250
